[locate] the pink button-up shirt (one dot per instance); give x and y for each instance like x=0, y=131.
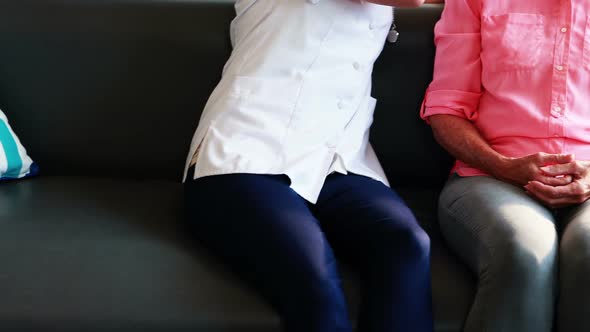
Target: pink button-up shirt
x=519, y=71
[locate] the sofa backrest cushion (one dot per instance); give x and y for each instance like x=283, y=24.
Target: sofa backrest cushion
x=116, y=87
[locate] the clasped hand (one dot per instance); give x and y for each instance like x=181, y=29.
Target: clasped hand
x=555, y=180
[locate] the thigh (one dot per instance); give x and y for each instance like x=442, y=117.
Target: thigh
x=575, y=244
x=369, y=225
x=262, y=229
x=574, y=272
x=482, y=217
x=575, y=222
x=362, y=217
x=510, y=242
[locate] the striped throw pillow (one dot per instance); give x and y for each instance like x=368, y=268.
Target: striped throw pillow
x=14, y=161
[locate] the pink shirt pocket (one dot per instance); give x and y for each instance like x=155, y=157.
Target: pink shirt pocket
x=514, y=41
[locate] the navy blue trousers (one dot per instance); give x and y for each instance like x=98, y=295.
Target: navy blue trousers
x=287, y=248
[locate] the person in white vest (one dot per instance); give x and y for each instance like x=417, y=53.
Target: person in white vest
x=281, y=178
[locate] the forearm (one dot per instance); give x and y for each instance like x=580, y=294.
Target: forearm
x=461, y=139
x=398, y=3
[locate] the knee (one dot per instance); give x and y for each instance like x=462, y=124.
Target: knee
x=410, y=244
x=526, y=259
x=417, y=244
x=575, y=251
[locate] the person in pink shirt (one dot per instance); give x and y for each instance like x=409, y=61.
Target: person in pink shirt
x=510, y=99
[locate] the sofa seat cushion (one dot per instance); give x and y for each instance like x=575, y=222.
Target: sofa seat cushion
x=100, y=254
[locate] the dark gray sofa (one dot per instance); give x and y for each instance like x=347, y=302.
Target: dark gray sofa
x=106, y=94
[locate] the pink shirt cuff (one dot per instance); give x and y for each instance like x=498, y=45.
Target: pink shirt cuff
x=452, y=102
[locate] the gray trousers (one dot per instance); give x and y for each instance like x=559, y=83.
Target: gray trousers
x=527, y=275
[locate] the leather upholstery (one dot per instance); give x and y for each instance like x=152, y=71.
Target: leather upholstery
x=105, y=94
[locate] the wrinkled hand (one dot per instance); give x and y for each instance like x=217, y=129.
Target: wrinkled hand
x=576, y=192
x=521, y=171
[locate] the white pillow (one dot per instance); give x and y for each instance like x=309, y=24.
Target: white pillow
x=14, y=161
